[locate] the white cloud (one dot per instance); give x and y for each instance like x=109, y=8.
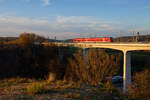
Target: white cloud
x=46, y=2
x=76, y=19
x=62, y=27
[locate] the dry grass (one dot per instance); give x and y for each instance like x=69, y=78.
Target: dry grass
x=17, y=89
x=14, y=86
x=36, y=88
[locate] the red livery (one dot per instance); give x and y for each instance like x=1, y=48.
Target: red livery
x=106, y=39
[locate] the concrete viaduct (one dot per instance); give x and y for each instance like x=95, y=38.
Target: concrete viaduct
x=124, y=47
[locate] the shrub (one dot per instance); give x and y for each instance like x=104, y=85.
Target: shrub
x=140, y=89
x=93, y=68
x=35, y=88
x=28, y=39
x=109, y=88
x=110, y=92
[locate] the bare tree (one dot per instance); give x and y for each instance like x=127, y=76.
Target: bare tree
x=94, y=68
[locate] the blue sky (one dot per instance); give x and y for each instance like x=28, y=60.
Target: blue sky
x=74, y=18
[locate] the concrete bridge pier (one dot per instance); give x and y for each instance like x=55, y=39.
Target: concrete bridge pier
x=60, y=53
x=85, y=51
x=127, y=70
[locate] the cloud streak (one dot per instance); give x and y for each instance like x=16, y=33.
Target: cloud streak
x=46, y=2
x=63, y=27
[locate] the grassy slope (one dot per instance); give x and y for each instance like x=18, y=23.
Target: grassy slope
x=17, y=88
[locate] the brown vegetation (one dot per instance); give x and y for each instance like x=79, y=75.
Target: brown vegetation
x=27, y=39
x=24, y=58
x=20, y=89
x=92, y=69
x=140, y=89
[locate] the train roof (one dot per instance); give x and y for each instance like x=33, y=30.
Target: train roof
x=92, y=37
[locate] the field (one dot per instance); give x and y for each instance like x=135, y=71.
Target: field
x=23, y=89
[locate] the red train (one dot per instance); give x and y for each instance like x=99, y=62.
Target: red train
x=106, y=39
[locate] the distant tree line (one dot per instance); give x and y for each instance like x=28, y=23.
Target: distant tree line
x=139, y=38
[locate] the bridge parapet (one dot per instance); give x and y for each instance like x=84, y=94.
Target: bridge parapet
x=116, y=46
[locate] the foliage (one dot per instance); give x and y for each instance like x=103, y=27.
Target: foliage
x=93, y=68
x=27, y=61
x=28, y=39
x=140, y=89
x=109, y=89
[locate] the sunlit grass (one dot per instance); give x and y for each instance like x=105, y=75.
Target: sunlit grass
x=36, y=88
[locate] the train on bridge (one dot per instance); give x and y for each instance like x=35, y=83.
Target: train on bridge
x=104, y=39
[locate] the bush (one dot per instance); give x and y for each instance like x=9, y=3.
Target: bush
x=109, y=88
x=110, y=92
x=140, y=89
x=36, y=88
x=28, y=39
x=93, y=68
